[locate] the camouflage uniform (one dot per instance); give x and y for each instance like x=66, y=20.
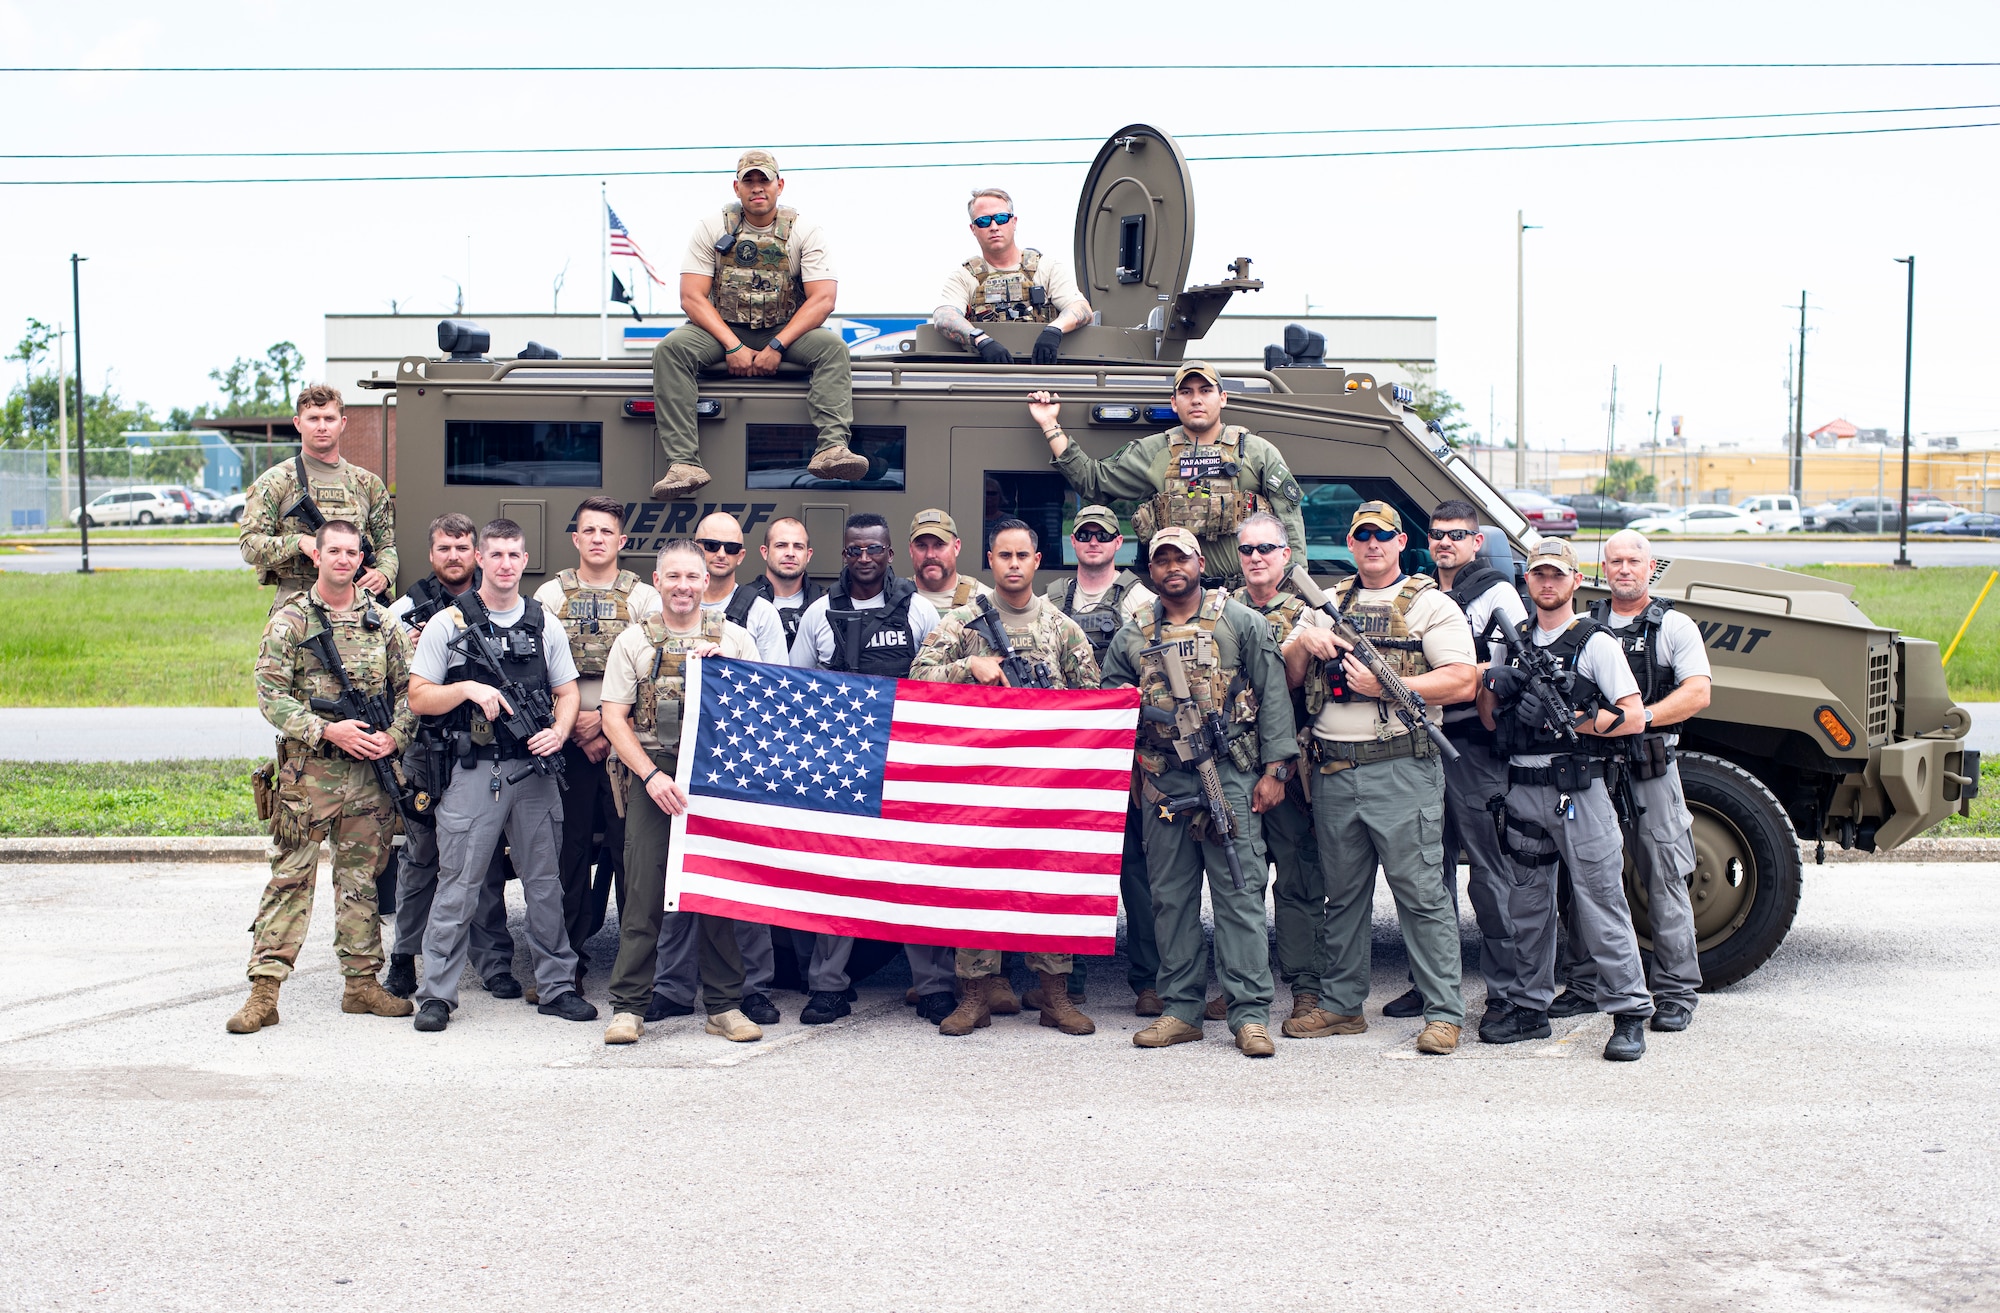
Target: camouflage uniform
x=1048, y=638
x=321, y=793
x=268, y=540
x=1206, y=489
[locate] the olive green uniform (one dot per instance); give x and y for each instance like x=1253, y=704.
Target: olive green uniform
x=321, y=793
x=1234, y=667
x=1183, y=483
x=268, y=539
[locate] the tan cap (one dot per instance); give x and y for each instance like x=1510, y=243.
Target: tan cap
x=1556, y=552
x=1201, y=367
x=938, y=524
x=1378, y=513
x=1102, y=516
x=1175, y=535
x=763, y=161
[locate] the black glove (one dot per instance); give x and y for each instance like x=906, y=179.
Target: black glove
x=1531, y=711
x=1047, y=345
x=993, y=353
x=1506, y=682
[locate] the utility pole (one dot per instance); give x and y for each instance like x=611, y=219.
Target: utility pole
x=1520, y=354
x=82, y=409
x=1659, y=382
x=603, y=272
x=62, y=418
x=1611, y=431
x=1909, y=356
x=1798, y=461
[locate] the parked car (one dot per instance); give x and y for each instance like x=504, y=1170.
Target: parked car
x=202, y=505
x=1545, y=515
x=133, y=506
x=1875, y=514
x=1700, y=519
x=1778, y=512
x=1596, y=511
x=1641, y=509
x=232, y=507
x=1965, y=524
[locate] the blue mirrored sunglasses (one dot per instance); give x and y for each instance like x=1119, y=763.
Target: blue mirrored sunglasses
x=988, y=220
x=1374, y=533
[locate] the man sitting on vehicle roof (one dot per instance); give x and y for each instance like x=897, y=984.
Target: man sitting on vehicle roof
x=1005, y=282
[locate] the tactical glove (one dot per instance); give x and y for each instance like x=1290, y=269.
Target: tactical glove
x=993, y=353
x=1506, y=682
x=1047, y=345
x=1531, y=711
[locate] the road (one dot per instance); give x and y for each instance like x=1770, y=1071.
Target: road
x=1822, y=1137
x=127, y=556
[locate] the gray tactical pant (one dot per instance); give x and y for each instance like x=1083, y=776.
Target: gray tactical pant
x=471, y=821
x=1469, y=782
x=676, y=974
x=492, y=946
x=931, y=968
x=1177, y=865
x=1600, y=921
x=1662, y=848
x=1298, y=894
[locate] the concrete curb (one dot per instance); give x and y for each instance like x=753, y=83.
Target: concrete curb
x=1916, y=850
x=247, y=848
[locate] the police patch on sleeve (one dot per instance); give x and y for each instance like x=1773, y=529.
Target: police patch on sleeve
x=1278, y=482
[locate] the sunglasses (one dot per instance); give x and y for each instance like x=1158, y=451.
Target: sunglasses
x=988, y=220
x=717, y=545
x=1258, y=549
x=855, y=553
x=1372, y=533
x=1090, y=533
x=1456, y=535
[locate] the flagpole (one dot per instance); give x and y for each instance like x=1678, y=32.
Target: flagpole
x=603, y=272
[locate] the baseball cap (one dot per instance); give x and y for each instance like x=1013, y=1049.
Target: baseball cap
x=1379, y=513
x=1102, y=516
x=1556, y=552
x=938, y=524
x=1201, y=367
x=1175, y=535
x=763, y=161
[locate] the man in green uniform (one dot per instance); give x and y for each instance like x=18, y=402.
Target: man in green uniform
x=756, y=285
x=1201, y=475
x=1233, y=670
x=325, y=786
x=956, y=652
x=278, y=542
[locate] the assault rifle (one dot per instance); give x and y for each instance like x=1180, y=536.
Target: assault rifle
x=1402, y=699
x=1199, y=739
x=1019, y=670
x=1545, y=682
x=306, y=511
x=533, y=710
x=435, y=600
x=378, y=713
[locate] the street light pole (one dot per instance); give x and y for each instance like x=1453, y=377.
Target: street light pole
x=1909, y=350
x=82, y=408
x=1520, y=355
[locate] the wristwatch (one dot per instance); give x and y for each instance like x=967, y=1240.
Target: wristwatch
x=777, y=346
x=1649, y=715
x=1281, y=771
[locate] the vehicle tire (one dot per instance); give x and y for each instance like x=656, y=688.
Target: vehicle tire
x=145, y=517
x=1747, y=872
x=90, y=521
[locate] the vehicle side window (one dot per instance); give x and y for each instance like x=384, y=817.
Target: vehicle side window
x=1329, y=510
x=775, y=456
x=524, y=453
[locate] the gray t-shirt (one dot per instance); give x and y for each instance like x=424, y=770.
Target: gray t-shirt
x=433, y=657
x=766, y=629
x=813, y=648
x=1602, y=662
x=1680, y=640
x=1503, y=600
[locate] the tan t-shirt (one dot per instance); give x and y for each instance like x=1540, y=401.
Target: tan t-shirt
x=642, y=601
x=1434, y=618
x=631, y=660
x=1051, y=272
x=943, y=601
x=809, y=258
x=1137, y=602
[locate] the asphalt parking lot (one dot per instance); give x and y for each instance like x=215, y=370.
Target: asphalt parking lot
x=1823, y=1136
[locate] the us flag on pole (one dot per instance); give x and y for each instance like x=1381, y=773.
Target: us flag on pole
x=622, y=244
x=949, y=814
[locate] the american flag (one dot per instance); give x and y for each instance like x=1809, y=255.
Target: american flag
x=949, y=814
x=622, y=244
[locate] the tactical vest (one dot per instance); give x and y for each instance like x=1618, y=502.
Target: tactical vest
x=336, y=499
x=1099, y=622
x=522, y=658
x=754, y=285
x=1385, y=625
x=594, y=617
x=1211, y=659
x=1471, y=584
x=364, y=653
x=1012, y=295
x=1640, y=641
x=788, y=616
x=428, y=596
x=737, y=609
x=876, y=641
x=1510, y=736
x=1199, y=491
x=1286, y=611
x=663, y=693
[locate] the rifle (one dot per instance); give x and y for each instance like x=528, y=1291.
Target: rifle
x=1402, y=699
x=1199, y=739
x=1020, y=672
x=1545, y=682
x=533, y=709
x=306, y=511
x=375, y=711
x=435, y=600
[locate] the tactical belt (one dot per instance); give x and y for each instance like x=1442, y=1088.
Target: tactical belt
x=1368, y=751
x=494, y=752
x=1571, y=772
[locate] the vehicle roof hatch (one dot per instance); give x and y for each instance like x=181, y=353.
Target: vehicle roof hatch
x=1135, y=228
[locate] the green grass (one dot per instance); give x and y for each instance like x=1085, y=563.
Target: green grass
x=69, y=537
x=1930, y=603
x=130, y=638
x=1984, y=823
x=82, y=798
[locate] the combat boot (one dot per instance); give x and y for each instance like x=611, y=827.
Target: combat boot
x=1058, y=1010
x=1000, y=998
x=364, y=997
x=682, y=479
x=1319, y=1023
x=1439, y=1038
x=1149, y=1004
x=1253, y=1041
x=259, y=1010
x=402, y=978
x=1628, y=1038
x=973, y=1012
x=1166, y=1031
x=838, y=462
x=1304, y=1003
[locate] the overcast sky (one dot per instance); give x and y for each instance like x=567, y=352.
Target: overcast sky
x=1682, y=256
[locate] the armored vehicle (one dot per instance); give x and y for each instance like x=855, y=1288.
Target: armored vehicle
x=1824, y=725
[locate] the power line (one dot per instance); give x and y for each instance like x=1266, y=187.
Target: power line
x=993, y=164
x=990, y=141
x=1139, y=67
